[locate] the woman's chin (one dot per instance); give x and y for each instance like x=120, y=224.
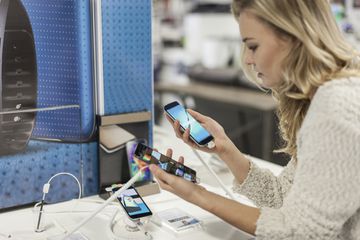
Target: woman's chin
x=266, y=83
x=263, y=83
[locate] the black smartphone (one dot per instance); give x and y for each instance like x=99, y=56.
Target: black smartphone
x=133, y=204
x=150, y=156
x=197, y=133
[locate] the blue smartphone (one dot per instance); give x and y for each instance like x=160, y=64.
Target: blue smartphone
x=197, y=133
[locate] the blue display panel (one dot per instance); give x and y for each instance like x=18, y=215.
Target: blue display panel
x=62, y=32
x=127, y=56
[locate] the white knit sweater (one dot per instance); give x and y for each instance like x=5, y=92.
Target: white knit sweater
x=319, y=196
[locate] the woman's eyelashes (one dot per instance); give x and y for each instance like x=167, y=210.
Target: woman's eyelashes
x=253, y=48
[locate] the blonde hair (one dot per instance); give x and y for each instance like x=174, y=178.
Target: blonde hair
x=319, y=54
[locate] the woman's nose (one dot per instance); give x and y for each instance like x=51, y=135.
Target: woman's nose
x=249, y=60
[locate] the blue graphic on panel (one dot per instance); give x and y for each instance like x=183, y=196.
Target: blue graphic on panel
x=62, y=31
x=23, y=175
x=127, y=55
x=90, y=168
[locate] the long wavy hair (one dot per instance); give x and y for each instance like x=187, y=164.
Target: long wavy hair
x=320, y=54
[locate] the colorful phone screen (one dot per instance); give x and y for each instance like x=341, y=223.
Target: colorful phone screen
x=150, y=156
x=134, y=164
x=133, y=204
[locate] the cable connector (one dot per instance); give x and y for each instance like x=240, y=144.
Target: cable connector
x=211, y=144
x=46, y=188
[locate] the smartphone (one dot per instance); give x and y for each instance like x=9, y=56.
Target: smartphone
x=133, y=204
x=134, y=164
x=197, y=133
x=150, y=156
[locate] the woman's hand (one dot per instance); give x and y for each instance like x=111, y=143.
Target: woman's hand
x=224, y=147
x=221, y=140
x=177, y=185
x=235, y=213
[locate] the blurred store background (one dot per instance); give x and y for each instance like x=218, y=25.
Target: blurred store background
x=196, y=58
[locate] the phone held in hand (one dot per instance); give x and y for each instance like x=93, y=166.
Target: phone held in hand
x=198, y=133
x=135, y=165
x=133, y=204
x=150, y=156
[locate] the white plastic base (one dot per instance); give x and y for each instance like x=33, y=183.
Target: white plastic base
x=123, y=228
x=74, y=236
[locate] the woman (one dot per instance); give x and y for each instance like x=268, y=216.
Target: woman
x=294, y=48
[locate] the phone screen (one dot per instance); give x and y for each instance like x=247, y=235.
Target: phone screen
x=133, y=204
x=197, y=132
x=134, y=164
x=149, y=156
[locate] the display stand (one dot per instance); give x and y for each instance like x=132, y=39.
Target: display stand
x=113, y=160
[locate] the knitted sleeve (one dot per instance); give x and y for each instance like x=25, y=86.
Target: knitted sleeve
x=263, y=187
x=325, y=193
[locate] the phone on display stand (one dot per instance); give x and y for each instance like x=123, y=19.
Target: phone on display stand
x=198, y=133
x=150, y=156
x=133, y=204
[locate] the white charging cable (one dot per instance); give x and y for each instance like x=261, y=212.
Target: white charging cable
x=6, y=236
x=107, y=202
x=46, y=189
x=222, y=185
x=47, y=185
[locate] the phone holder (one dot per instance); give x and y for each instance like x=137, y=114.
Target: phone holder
x=132, y=225
x=115, y=132
x=126, y=228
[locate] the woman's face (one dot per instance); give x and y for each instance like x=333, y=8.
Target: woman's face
x=265, y=51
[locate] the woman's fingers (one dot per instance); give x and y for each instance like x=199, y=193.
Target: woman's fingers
x=177, y=129
x=164, y=179
x=175, y=124
x=181, y=160
x=160, y=174
x=169, y=152
x=186, y=135
x=198, y=116
x=165, y=186
x=186, y=138
x=168, y=118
